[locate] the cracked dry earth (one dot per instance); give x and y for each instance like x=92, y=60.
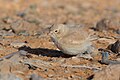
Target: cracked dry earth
x=27, y=52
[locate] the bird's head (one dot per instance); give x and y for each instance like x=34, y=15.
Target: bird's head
x=58, y=30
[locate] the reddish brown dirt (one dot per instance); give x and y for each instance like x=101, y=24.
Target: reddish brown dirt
x=40, y=13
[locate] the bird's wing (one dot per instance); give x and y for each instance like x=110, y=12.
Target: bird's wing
x=73, y=38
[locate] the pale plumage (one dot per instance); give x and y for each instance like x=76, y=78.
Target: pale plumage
x=71, y=40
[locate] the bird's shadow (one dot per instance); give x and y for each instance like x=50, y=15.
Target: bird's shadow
x=45, y=52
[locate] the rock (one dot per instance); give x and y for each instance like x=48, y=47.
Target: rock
x=118, y=31
x=75, y=59
x=24, y=26
x=8, y=20
x=11, y=66
x=33, y=19
x=36, y=77
x=17, y=44
x=11, y=62
x=4, y=33
x=102, y=25
x=7, y=66
x=9, y=76
x=24, y=33
x=115, y=47
x=112, y=23
x=112, y=72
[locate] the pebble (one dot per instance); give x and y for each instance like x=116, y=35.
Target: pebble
x=24, y=33
x=9, y=76
x=7, y=20
x=102, y=25
x=36, y=77
x=5, y=34
x=111, y=72
x=17, y=44
x=115, y=47
x=118, y=31
x=75, y=59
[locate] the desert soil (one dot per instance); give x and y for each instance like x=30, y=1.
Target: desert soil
x=24, y=26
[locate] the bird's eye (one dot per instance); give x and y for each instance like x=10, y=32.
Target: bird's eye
x=56, y=31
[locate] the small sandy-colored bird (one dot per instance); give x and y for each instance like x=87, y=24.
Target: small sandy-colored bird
x=71, y=40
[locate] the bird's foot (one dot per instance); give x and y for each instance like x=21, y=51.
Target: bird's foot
x=85, y=55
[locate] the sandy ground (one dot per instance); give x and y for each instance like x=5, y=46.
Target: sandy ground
x=24, y=26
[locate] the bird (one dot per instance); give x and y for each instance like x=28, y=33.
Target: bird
x=71, y=39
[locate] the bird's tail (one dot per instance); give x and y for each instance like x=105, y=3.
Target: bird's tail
x=93, y=37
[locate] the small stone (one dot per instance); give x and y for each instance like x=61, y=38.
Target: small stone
x=36, y=77
x=76, y=59
x=50, y=75
x=5, y=34
x=102, y=25
x=115, y=47
x=17, y=44
x=7, y=20
x=9, y=76
x=112, y=72
x=24, y=33
x=118, y=59
x=118, y=31
x=21, y=14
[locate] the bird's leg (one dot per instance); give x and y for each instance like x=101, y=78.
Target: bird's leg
x=85, y=55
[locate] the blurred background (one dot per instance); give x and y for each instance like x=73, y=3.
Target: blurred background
x=60, y=11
